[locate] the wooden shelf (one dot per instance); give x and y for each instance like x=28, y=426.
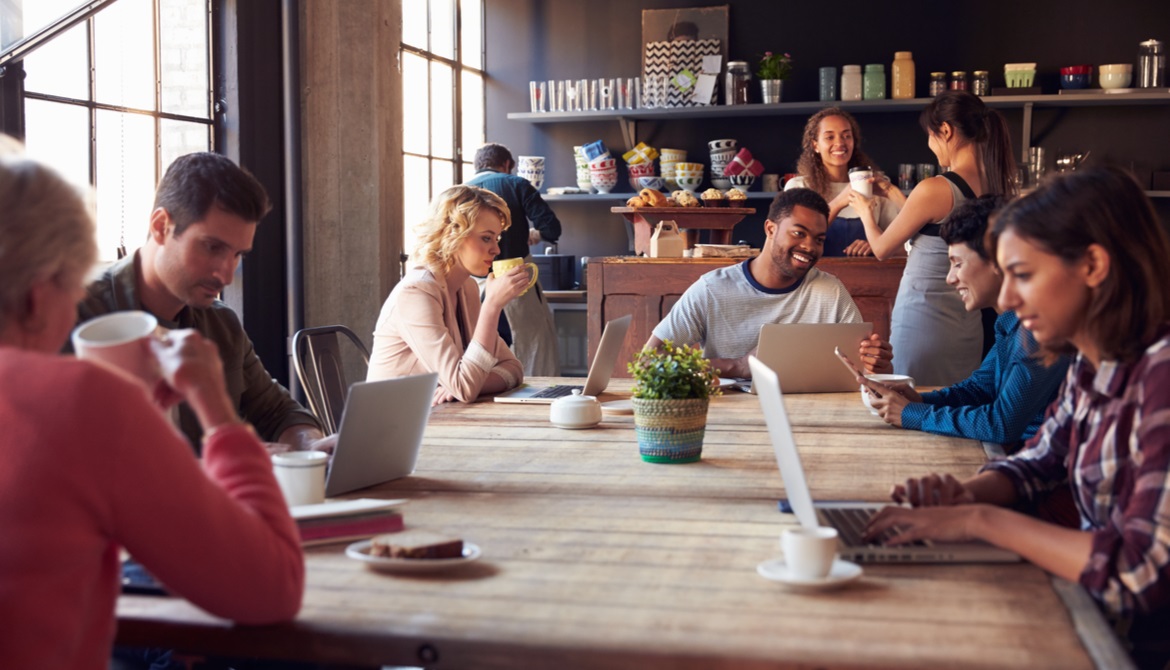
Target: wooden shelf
x=719, y=220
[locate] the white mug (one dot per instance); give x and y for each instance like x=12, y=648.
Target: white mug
x=121, y=341
x=809, y=552
x=301, y=476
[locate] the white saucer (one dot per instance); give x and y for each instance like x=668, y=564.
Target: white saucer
x=360, y=551
x=840, y=574
x=623, y=406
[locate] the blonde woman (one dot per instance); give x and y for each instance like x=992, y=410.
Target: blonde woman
x=433, y=320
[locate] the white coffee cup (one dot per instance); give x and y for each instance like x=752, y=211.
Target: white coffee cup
x=121, y=341
x=809, y=552
x=301, y=475
x=859, y=180
x=883, y=379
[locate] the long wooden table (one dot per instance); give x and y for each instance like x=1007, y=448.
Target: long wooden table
x=592, y=558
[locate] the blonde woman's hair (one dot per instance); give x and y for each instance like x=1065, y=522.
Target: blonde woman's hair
x=46, y=230
x=453, y=215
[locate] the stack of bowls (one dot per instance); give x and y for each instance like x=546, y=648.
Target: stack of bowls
x=1019, y=75
x=603, y=173
x=1075, y=76
x=583, y=181
x=532, y=169
x=669, y=158
x=722, y=151
x=688, y=176
x=639, y=170
x=1118, y=75
x=743, y=181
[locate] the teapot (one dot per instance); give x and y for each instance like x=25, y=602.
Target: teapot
x=575, y=411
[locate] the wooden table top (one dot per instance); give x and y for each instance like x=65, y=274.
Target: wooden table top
x=592, y=558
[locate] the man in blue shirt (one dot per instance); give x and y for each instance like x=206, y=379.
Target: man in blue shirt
x=533, y=335
x=1004, y=400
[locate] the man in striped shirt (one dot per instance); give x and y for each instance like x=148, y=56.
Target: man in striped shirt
x=724, y=309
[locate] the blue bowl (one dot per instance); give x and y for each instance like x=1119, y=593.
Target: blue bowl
x=1074, y=81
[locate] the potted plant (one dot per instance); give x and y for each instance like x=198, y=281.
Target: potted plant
x=772, y=71
x=672, y=386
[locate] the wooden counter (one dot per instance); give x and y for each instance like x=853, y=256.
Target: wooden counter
x=648, y=287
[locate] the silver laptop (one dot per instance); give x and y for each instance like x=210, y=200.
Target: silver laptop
x=849, y=519
x=802, y=354
x=608, y=350
x=381, y=432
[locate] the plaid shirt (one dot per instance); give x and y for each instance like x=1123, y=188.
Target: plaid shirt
x=1110, y=434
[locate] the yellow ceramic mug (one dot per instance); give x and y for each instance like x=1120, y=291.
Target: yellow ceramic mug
x=505, y=265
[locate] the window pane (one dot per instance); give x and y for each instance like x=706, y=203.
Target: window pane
x=183, y=47
x=58, y=135
x=472, y=108
x=468, y=168
x=442, y=177
x=471, y=29
x=442, y=111
x=415, y=205
x=21, y=19
x=414, y=24
x=179, y=138
x=61, y=67
x=443, y=28
x=125, y=54
x=125, y=179
x=415, y=112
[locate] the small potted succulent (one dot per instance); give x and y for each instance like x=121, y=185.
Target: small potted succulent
x=774, y=68
x=672, y=386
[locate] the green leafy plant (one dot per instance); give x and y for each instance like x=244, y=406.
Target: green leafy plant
x=775, y=66
x=673, y=373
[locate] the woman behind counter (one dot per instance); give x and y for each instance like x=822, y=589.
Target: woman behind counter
x=433, y=320
x=935, y=339
x=1084, y=263
x=831, y=145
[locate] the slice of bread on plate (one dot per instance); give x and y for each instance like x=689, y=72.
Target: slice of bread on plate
x=416, y=543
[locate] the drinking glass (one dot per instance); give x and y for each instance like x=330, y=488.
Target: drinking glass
x=536, y=95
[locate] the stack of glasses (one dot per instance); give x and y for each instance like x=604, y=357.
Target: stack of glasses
x=532, y=169
x=722, y=151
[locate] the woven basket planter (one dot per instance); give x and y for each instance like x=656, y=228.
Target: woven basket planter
x=670, y=431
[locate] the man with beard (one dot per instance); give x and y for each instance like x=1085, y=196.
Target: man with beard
x=724, y=309
x=205, y=214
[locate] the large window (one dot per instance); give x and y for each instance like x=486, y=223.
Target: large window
x=442, y=101
x=114, y=100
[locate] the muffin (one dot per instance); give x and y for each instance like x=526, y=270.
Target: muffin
x=736, y=198
x=713, y=197
x=685, y=199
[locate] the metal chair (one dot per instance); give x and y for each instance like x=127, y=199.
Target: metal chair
x=318, y=359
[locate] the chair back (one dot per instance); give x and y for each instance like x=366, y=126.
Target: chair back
x=319, y=358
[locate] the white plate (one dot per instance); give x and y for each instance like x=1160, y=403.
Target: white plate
x=623, y=406
x=840, y=574
x=361, y=551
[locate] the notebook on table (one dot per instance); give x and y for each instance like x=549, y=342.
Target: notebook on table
x=848, y=518
x=802, y=354
x=381, y=432
x=608, y=350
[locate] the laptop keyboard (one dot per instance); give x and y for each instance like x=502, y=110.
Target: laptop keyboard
x=558, y=391
x=850, y=523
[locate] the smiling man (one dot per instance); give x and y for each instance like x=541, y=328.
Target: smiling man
x=1004, y=400
x=206, y=210
x=724, y=309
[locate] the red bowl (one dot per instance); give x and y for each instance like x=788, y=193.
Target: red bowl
x=1077, y=69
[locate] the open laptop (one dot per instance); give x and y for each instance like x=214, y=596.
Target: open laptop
x=802, y=354
x=608, y=350
x=381, y=432
x=849, y=519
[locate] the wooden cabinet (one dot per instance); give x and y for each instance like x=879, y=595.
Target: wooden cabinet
x=648, y=287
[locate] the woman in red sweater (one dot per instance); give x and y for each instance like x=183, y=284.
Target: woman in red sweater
x=91, y=465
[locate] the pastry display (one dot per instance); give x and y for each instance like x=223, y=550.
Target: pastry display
x=685, y=199
x=713, y=197
x=653, y=198
x=636, y=201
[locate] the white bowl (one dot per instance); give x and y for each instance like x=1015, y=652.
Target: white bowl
x=1114, y=79
x=688, y=183
x=884, y=379
x=1115, y=68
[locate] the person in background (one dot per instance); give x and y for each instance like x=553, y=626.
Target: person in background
x=936, y=340
x=91, y=465
x=433, y=320
x=1084, y=263
x=528, y=318
x=724, y=309
x=1003, y=402
x=831, y=145
x=206, y=210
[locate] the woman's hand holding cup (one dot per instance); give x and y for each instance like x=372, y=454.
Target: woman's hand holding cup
x=192, y=371
x=505, y=285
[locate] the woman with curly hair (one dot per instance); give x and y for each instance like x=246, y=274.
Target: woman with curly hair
x=433, y=320
x=830, y=146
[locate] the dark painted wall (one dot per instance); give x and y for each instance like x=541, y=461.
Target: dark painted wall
x=568, y=39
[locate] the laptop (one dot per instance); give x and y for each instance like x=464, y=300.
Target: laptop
x=848, y=518
x=381, y=432
x=612, y=340
x=802, y=354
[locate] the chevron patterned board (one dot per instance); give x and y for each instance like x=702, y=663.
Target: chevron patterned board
x=669, y=58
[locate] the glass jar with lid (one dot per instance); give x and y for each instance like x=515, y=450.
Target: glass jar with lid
x=902, y=75
x=851, y=82
x=981, y=84
x=874, y=85
x=938, y=83
x=737, y=83
x=959, y=81
x=1151, y=64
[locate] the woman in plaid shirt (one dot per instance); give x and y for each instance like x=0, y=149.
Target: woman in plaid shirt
x=1087, y=269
